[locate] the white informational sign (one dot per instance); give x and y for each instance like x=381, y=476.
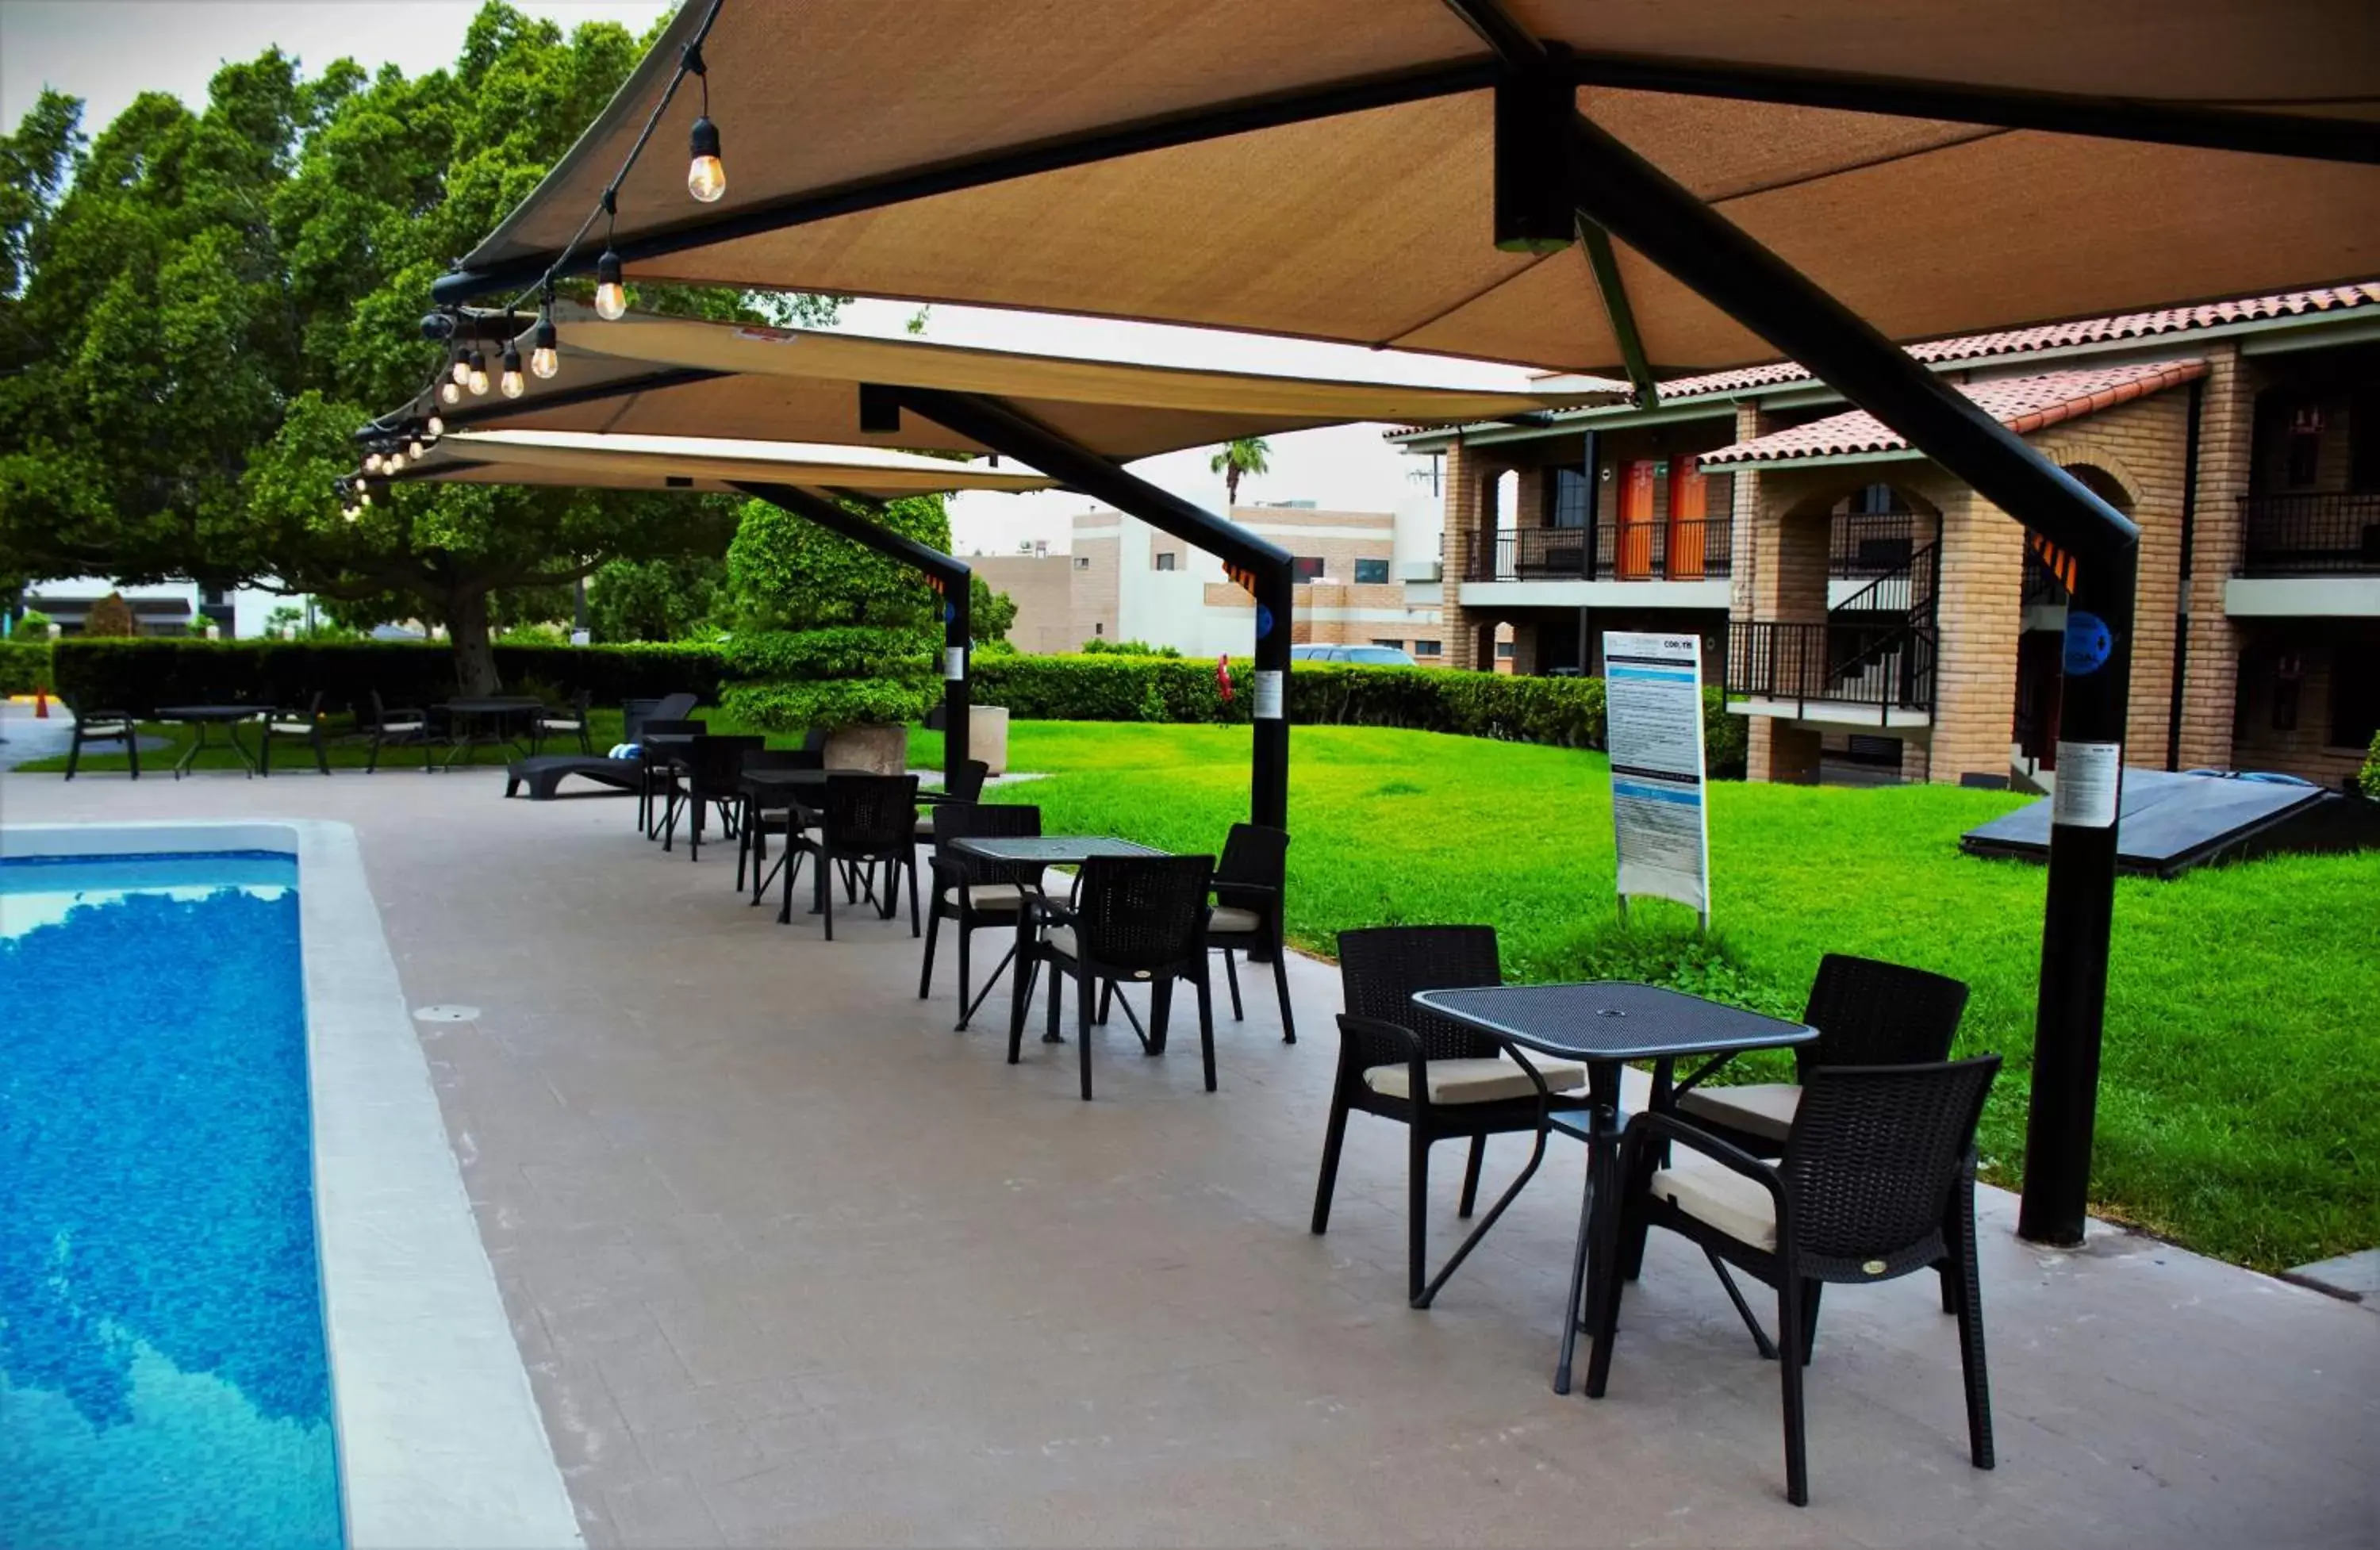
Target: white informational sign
x=1653, y=709
x=1268, y=696
x=2090, y=777
x=954, y=662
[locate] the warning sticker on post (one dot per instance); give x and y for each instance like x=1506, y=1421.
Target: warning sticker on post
x=1268, y=695
x=954, y=663
x=2090, y=779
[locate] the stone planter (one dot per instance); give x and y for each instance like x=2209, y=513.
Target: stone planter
x=881, y=749
x=988, y=737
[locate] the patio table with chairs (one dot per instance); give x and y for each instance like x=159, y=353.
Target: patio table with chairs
x=199, y=717
x=489, y=721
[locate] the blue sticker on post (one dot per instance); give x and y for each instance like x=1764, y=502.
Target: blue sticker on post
x=1264, y=621
x=2089, y=643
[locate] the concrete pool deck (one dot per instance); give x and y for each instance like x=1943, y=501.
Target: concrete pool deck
x=790, y=1262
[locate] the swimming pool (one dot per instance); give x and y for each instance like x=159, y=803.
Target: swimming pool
x=163, y=1327
x=163, y=1373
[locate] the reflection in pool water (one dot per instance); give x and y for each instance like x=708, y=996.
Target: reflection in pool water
x=162, y=1378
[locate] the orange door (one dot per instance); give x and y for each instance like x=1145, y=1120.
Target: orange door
x=1686, y=497
x=1635, y=550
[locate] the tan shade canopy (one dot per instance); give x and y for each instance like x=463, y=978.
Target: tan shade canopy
x=1373, y=226
x=802, y=385
x=581, y=461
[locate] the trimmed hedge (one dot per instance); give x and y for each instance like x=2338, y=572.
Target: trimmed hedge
x=24, y=666
x=140, y=675
x=2369, y=777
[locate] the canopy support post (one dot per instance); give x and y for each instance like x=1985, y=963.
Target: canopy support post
x=1262, y=567
x=951, y=578
x=1641, y=206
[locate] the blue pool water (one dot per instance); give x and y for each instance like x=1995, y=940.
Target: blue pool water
x=163, y=1377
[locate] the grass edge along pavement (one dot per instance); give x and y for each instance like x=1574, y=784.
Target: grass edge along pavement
x=2234, y=1112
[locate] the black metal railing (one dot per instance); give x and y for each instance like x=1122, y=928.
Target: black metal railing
x=1877, y=651
x=2287, y=535
x=1872, y=543
x=1650, y=551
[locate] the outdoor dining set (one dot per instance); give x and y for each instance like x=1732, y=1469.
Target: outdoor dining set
x=461, y=726
x=1860, y=1169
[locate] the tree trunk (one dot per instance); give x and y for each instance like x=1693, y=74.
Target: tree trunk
x=1230, y=487
x=475, y=653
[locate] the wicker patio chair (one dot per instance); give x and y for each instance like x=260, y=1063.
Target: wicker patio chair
x=288, y=725
x=707, y=778
x=866, y=820
x=1136, y=920
x=659, y=766
x=571, y=721
x=101, y=726
x=397, y=723
x=967, y=788
x=1441, y=1079
x=1249, y=884
x=1877, y=1180
x=781, y=815
x=973, y=893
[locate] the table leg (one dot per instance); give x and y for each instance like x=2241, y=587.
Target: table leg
x=1587, y=1270
x=231, y=735
x=190, y=753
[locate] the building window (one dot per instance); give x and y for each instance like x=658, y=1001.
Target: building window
x=1390, y=644
x=1503, y=651
x=1428, y=649
x=1098, y=626
x=2287, y=674
x=1371, y=573
x=2354, y=695
x=1165, y=561
x=1082, y=561
x=2304, y=461
x=1567, y=493
x=1308, y=567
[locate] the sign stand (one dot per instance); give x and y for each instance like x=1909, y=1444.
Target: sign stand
x=1652, y=714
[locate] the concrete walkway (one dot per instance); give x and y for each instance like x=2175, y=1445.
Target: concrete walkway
x=791, y=1262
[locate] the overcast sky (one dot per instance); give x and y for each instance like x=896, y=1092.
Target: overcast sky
x=106, y=52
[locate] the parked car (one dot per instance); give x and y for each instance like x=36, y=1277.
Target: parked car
x=1370, y=656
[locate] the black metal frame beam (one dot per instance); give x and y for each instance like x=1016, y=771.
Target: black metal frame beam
x=465, y=414
x=1618, y=313
x=953, y=579
x=1263, y=568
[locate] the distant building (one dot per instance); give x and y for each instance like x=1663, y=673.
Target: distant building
x=1363, y=578
x=165, y=608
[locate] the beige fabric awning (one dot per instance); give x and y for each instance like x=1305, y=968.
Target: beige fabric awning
x=581, y=461
x=802, y=385
x=1373, y=226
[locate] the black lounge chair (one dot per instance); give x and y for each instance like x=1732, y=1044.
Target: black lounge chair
x=542, y=774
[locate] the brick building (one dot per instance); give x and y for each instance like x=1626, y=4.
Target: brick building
x=1878, y=619
x=1364, y=577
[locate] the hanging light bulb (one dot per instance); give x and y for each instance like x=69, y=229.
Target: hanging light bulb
x=449, y=394
x=513, y=382
x=706, y=175
x=414, y=450
x=351, y=512
x=437, y=428
x=611, y=295
x=543, y=358
x=479, y=374
x=363, y=496
x=462, y=371
x=372, y=462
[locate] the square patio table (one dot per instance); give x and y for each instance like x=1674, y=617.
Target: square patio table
x=1604, y=1024
x=199, y=717
x=1030, y=856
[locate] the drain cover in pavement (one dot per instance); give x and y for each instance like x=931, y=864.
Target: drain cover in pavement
x=445, y=1014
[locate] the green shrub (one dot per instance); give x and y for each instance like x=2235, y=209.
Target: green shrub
x=140, y=675
x=828, y=704
x=1107, y=687
x=2370, y=776
x=1099, y=646
x=24, y=666
x=850, y=651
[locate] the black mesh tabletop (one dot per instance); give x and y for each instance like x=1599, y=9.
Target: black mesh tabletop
x=208, y=712
x=1613, y=1020
x=777, y=779
x=1049, y=850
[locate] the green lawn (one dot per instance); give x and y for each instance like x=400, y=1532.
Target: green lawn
x=2235, y=1111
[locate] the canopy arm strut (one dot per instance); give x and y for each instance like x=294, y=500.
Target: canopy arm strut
x=1616, y=309
x=464, y=415
x=1263, y=568
x=953, y=578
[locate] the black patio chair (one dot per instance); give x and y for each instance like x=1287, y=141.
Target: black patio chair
x=570, y=721
x=288, y=725
x=707, y=777
x=656, y=766
x=1249, y=884
x=972, y=893
x=400, y=724
x=967, y=788
x=1877, y=1180
x=865, y=820
x=1441, y=1079
x=635, y=713
x=782, y=815
x=1136, y=920
x=101, y=726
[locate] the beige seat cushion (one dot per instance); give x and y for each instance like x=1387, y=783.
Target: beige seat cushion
x=1232, y=920
x=400, y=726
x=987, y=896
x=1723, y=1198
x=1491, y=1079
x=1764, y=1109
x=294, y=729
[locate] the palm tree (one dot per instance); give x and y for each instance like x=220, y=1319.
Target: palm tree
x=1243, y=458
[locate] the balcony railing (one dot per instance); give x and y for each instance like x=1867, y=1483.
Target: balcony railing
x=1646, y=551
x=2296, y=534
x=1872, y=544
x=1832, y=664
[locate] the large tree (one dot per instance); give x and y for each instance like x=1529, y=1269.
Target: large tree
x=197, y=308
